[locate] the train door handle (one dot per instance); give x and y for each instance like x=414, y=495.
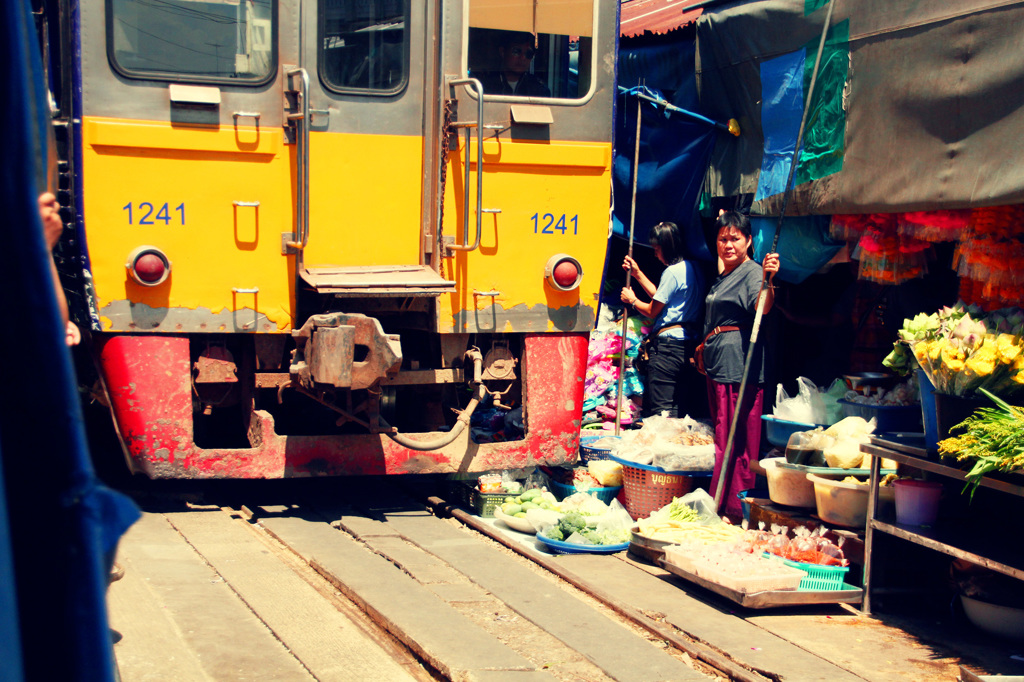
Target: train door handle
x=479, y=125
x=300, y=120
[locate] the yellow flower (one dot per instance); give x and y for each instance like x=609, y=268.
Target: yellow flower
x=1006, y=341
x=1009, y=354
x=981, y=366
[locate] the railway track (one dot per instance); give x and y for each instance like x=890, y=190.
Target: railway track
x=381, y=579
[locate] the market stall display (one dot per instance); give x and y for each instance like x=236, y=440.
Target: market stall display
x=601, y=383
x=660, y=461
x=586, y=524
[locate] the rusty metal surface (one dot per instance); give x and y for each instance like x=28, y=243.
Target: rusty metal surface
x=215, y=366
x=326, y=346
x=151, y=398
x=655, y=16
x=421, y=377
x=382, y=280
x=499, y=363
x=330, y=354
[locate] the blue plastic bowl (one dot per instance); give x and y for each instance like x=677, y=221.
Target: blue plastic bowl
x=606, y=495
x=779, y=430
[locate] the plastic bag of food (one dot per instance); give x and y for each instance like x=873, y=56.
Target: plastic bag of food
x=844, y=454
x=681, y=444
x=808, y=447
x=807, y=406
x=607, y=472
x=856, y=428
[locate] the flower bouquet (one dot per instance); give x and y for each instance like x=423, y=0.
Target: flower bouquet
x=963, y=350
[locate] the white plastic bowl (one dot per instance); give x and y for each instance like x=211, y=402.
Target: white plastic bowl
x=789, y=487
x=846, y=504
x=1002, y=621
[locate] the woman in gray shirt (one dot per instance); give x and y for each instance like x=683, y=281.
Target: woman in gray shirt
x=730, y=305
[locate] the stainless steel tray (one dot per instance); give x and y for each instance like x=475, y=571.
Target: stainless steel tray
x=766, y=600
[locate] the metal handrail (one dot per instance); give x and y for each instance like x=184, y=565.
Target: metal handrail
x=479, y=125
x=302, y=160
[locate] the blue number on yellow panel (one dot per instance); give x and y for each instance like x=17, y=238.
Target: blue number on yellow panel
x=146, y=213
x=548, y=224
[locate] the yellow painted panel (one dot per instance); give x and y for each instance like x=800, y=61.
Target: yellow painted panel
x=517, y=243
x=158, y=135
x=364, y=199
x=214, y=246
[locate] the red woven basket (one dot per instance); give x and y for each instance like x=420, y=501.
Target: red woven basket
x=646, y=491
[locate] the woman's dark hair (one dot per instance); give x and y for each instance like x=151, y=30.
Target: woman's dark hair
x=669, y=239
x=735, y=220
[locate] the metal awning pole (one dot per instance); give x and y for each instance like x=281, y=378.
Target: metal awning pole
x=762, y=294
x=629, y=278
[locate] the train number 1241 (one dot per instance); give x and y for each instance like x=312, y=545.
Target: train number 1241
x=548, y=223
x=145, y=213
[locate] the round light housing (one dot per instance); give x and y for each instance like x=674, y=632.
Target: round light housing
x=563, y=272
x=148, y=266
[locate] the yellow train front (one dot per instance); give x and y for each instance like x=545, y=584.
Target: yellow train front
x=304, y=245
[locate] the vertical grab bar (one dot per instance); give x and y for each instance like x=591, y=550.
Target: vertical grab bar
x=465, y=246
x=302, y=159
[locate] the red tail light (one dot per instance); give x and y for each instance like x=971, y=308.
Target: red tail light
x=563, y=272
x=148, y=266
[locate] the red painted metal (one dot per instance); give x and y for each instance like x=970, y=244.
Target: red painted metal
x=150, y=392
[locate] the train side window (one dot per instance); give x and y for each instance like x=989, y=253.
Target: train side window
x=531, y=48
x=364, y=45
x=213, y=41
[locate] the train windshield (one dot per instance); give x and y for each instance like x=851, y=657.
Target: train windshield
x=531, y=48
x=212, y=40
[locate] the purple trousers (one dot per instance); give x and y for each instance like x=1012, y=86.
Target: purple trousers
x=746, y=442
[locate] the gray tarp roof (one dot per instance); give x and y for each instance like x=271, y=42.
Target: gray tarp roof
x=934, y=101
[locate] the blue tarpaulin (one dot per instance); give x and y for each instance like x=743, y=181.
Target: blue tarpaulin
x=782, y=88
x=674, y=149
x=59, y=526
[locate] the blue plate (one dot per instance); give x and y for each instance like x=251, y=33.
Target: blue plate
x=559, y=547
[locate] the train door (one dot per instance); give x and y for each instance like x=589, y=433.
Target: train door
x=184, y=170
x=525, y=219
x=372, y=93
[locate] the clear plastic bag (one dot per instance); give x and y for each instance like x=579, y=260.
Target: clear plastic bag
x=673, y=444
x=806, y=407
x=808, y=447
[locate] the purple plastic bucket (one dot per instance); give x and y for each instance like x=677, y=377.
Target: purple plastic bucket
x=917, y=502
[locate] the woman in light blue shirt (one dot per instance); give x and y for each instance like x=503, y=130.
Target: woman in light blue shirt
x=674, y=388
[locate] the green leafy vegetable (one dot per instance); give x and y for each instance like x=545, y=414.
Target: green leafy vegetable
x=993, y=437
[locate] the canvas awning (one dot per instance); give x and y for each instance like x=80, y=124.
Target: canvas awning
x=918, y=105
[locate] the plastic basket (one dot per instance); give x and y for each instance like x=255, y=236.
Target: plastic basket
x=820, y=578
x=647, y=489
x=588, y=453
x=467, y=495
x=606, y=495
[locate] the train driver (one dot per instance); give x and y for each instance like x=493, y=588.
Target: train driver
x=515, y=51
